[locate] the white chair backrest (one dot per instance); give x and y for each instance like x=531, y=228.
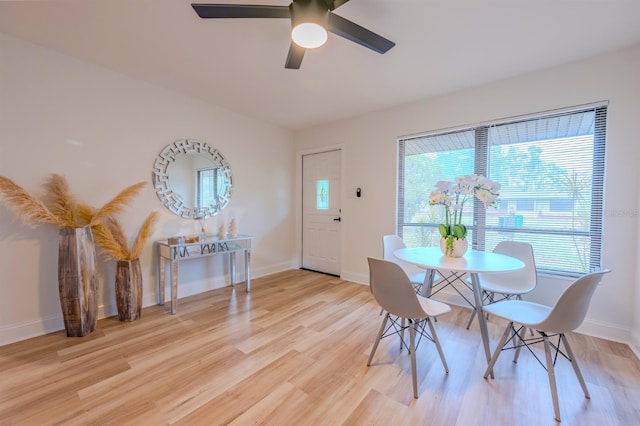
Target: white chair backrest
x=392, y=290
x=391, y=243
x=524, y=279
x=570, y=309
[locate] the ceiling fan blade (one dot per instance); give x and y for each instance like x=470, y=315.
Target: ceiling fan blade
x=294, y=57
x=354, y=32
x=240, y=11
x=334, y=4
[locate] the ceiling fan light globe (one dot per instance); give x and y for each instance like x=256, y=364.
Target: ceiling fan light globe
x=309, y=35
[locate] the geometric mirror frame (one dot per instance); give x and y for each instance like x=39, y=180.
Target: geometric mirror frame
x=192, y=179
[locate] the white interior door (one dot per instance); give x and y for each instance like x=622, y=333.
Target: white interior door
x=321, y=230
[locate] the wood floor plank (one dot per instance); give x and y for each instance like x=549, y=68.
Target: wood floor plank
x=294, y=352
x=236, y=400
x=274, y=407
x=60, y=408
x=377, y=409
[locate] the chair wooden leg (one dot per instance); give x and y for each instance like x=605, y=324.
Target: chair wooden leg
x=574, y=363
x=437, y=342
x=412, y=348
x=380, y=333
x=552, y=376
x=496, y=354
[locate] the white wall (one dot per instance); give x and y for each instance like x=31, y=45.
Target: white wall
x=103, y=131
x=370, y=154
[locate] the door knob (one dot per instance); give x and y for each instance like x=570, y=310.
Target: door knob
x=337, y=219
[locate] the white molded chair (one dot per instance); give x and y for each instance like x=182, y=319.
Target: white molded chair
x=392, y=290
x=549, y=321
x=509, y=284
x=391, y=243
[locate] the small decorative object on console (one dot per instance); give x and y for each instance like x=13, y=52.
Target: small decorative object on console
x=233, y=232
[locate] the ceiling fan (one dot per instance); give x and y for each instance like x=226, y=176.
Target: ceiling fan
x=310, y=21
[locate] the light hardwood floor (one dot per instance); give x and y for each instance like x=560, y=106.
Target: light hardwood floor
x=294, y=352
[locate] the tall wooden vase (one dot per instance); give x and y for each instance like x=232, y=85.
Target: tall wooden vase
x=129, y=290
x=77, y=280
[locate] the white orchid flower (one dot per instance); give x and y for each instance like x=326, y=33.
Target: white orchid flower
x=444, y=186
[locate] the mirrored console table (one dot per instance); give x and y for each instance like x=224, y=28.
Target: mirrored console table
x=210, y=246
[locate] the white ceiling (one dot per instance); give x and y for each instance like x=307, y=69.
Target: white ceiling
x=441, y=46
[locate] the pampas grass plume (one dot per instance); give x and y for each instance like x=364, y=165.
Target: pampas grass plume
x=103, y=237
x=61, y=208
x=61, y=203
x=29, y=209
x=110, y=236
x=143, y=235
x=116, y=205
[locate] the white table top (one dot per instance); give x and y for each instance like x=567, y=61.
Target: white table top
x=473, y=261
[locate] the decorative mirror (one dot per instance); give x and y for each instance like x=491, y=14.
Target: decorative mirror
x=192, y=179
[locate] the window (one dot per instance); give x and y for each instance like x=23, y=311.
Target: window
x=551, y=168
x=322, y=195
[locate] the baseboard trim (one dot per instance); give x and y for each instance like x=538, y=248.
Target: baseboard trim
x=17, y=332
x=589, y=327
x=635, y=343
x=24, y=330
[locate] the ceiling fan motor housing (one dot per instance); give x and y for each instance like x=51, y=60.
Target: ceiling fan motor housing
x=309, y=11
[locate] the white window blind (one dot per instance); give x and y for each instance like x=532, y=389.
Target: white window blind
x=551, y=168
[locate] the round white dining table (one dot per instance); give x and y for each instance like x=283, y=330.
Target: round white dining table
x=473, y=262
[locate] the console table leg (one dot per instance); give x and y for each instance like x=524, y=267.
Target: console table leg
x=174, y=287
x=161, y=282
x=247, y=268
x=232, y=272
